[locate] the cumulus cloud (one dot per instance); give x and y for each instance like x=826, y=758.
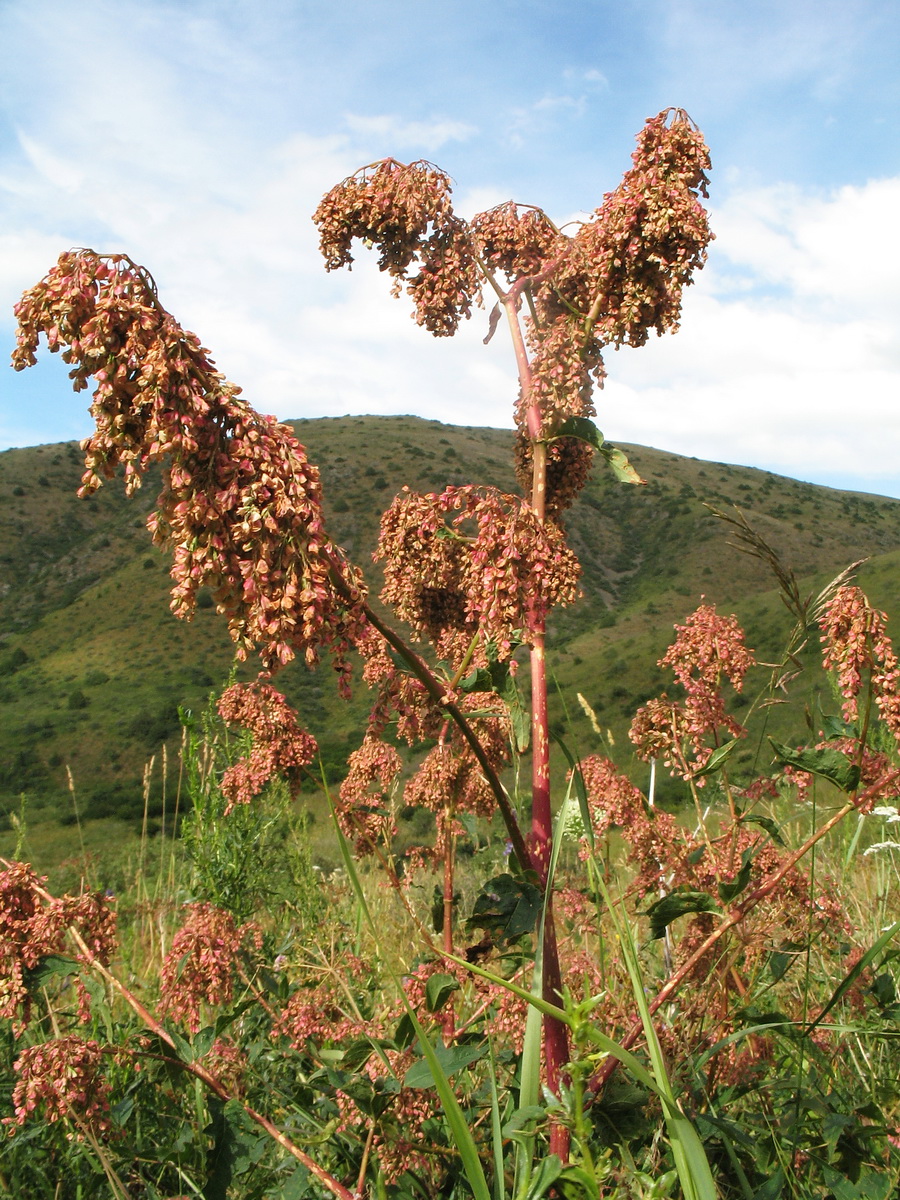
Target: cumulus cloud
x=394, y=132
x=789, y=352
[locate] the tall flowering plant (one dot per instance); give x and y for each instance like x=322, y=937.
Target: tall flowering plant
x=472, y=574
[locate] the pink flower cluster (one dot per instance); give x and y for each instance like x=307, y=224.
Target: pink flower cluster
x=200, y=967
x=322, y=1010
x=857, y=647
x=405, y=211
x=708, y=647
x=620, y=276
x=363, y=810
x=62, y=1079
x=241, y=505
x=495, y=568
x=33, y=925
x=280, y=746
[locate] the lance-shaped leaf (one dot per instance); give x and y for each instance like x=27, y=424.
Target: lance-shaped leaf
x=717, y=759
x=663, y=912
x=506, y=908
x=827, y=762
x=586, y=431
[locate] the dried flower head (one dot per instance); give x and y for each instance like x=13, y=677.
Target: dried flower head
x=405, y=210
x=200, y=967
x=494, y=566
x=707, y=649
x=61, y=1079
x=857, y=647
x=363, y=809
x=33, y=925
x=241, y=506
x=280, y=746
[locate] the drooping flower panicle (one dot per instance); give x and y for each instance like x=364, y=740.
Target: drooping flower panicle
x=241, y=506
x=280, y=746
x=473, y=559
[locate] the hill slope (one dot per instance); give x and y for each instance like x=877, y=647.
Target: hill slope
x=93, y=666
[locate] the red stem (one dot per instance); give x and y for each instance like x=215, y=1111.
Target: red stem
x=556, y=1033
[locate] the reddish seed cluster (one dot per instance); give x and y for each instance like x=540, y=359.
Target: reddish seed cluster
x=620, y=276
x=623, y=273
x=647, y=238
x=323, y=1011
x=708, y=647
x=494, y=568
x=201, y=964
x=241, y=506
x=449, y=777
x=569, y=462
x=405, y=211
x=61, y=1078
x=402, y=698
x=363, y=811
x=280, y=746
x=516, y=239
x=857, y=647
x=32, y=927
x=653, y=836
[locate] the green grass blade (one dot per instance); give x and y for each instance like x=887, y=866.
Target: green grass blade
x=496, y=1130
x=853, y=974
x=690, y=1158
x=453, y=1114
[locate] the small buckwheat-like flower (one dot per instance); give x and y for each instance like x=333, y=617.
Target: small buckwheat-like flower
x=200, y=967
x=280, y=746
x=61, y=1079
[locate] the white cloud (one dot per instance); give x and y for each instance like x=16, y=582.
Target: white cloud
x=392, y=131
x=789, y=352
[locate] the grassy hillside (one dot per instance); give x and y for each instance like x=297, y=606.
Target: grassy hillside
x=93, y=666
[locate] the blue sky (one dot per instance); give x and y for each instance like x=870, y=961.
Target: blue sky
x=198, y=137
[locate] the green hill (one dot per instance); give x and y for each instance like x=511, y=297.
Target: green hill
x=93, y=666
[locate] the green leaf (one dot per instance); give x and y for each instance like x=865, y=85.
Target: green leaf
x=238, y=1146
x=577, y=1182
x=772, y=1188
x=675, y=905
x=405, y=1033
x=836, y=727
x=771, y=827
x=730, y=891
x=437, y=991
x=479, y=680
x=548, y=1171
x=828, y=763
x=586, y=431
x=52, y=965
x=717, y=759
x=450, y=1059
x=522, y=1118
x=201, y=1043
x=506, y=907
x=498, y=678
x=779, y=962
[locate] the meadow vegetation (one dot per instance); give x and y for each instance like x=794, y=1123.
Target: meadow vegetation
x=521, y=975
